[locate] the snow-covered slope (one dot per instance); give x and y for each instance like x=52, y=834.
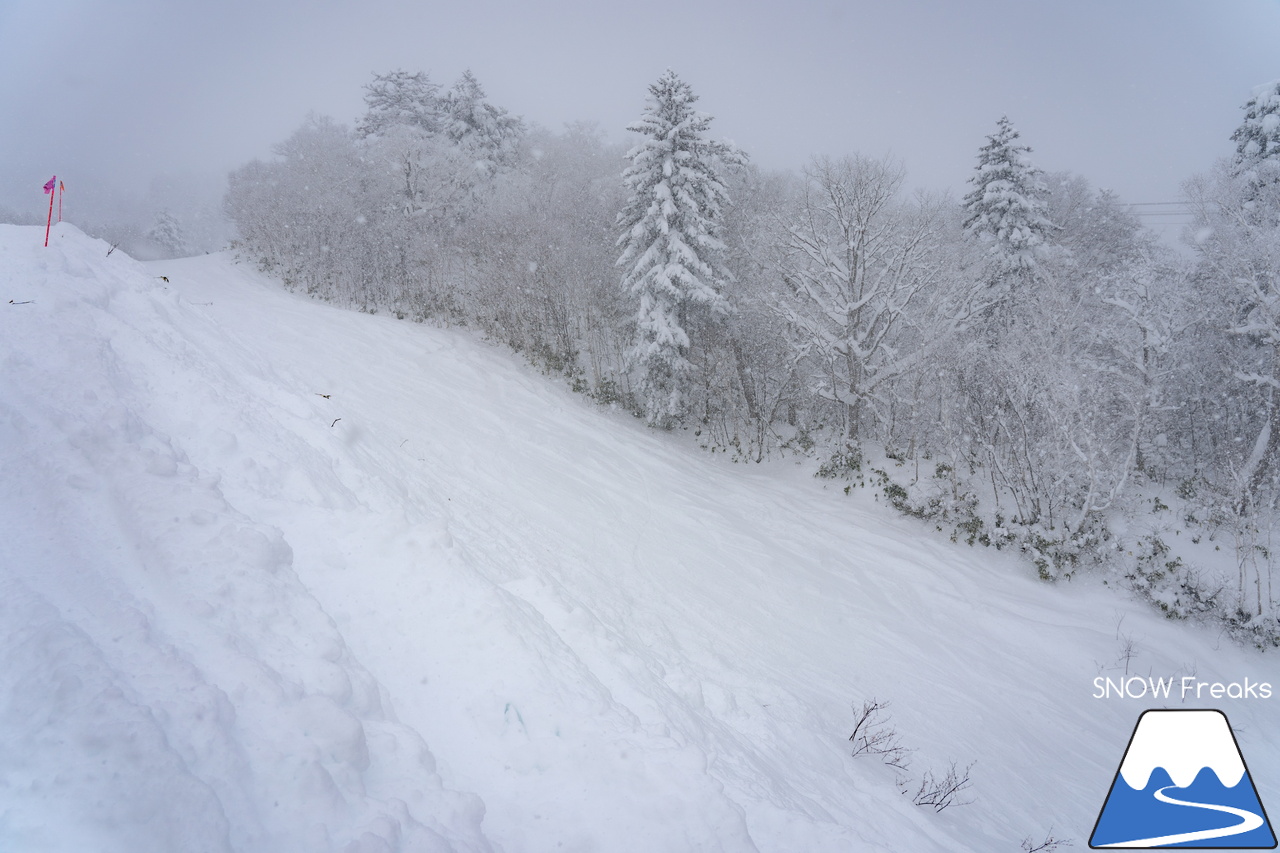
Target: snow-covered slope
x=276, y=576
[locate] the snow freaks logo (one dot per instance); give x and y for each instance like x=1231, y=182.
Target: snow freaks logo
x=1183, y=783
x=1187, y=687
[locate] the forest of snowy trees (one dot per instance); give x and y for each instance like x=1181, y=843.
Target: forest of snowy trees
x=1025, y=367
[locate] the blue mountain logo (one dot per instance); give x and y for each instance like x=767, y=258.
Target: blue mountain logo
x=1183, y=783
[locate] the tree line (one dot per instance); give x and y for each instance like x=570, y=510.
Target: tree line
x=1024, y=365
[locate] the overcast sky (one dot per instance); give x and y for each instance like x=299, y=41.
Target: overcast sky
x=1136, y=96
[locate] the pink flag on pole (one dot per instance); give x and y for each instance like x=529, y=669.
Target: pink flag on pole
x=48, y=190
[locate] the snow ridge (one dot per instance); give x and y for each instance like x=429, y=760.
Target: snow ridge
x=168, y=671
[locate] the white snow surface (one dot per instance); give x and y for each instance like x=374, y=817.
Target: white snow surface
x=277, y=576
x=1183, y=743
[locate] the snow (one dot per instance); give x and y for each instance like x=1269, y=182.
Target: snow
x=278, y=576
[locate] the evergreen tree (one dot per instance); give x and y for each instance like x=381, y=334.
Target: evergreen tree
x=1006, y=206
x=673, y=253
x=1258, y=136
x=400, y=99
x=168, y=235
x=1257, y=139
x=478, y=127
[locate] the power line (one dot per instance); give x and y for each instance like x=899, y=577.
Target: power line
x=1135, y=208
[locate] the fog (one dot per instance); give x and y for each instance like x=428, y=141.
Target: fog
x=144, y=104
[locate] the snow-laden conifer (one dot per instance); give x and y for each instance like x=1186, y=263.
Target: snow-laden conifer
x=1257, y=138
x=167, y=233
x=673, y=252
x=487, y=132
x=1257, y=162
x=1006, y=207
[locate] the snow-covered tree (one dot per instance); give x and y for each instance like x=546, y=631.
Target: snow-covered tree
x=167, y=233
x=434, y=181
x=401, y=99
x=1249, y=222
x=486, y=132
x=439, y=150
x=1006, y=207
x=313, y=215
x=670, y=231
x=1256, y=165
x=1257, y=138
x=857, y=263
x=1237, y=240
x=541, y=245
x=1237, y=226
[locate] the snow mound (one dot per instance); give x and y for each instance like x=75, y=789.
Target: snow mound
x=167, y=682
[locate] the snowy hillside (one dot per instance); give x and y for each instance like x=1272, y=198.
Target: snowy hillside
x=276, y=576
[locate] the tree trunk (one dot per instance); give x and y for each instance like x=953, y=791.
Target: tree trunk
x=744, y=379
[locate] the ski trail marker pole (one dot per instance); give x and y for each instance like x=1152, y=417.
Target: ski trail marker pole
x=49, y=191
x=61, y=189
